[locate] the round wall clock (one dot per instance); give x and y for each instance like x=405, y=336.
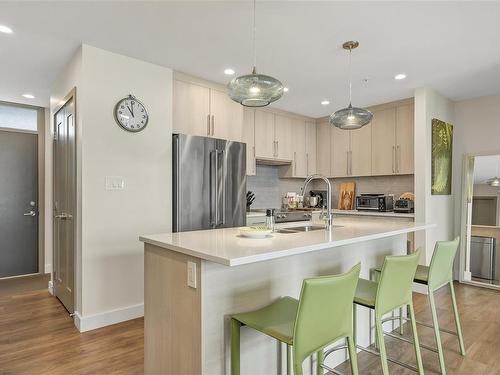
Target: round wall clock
x=131, y=114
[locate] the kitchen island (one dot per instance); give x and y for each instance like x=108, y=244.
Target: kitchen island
x=195, y=280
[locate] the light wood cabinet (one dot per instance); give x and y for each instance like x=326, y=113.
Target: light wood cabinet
x=323, y=148
x=249, y=139
x=299, y=135
x=360, y=153
x=191, y=110
x=405, y=136
x=393, y=139
x=227, y=116
x=284, y=137
x=340, y=152
x=206, y=111
x=383, y=142
x=311, y=142
x=265, y=145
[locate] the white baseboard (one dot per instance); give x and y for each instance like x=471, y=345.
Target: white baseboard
x=107, y=318
x=51, y=287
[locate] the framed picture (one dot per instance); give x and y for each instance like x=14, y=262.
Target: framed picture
x=442, y=153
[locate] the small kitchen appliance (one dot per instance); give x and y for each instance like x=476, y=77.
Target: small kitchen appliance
x=375, y=202
x=320, y=200
x=404, y=206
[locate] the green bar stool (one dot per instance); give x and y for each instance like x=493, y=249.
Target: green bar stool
x=437, y=275
x=322, y=315
x=392, y=291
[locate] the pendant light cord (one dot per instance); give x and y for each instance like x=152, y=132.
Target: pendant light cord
x=350, y=77
x=254, y=43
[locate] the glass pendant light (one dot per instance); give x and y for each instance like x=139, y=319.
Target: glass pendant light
x=255, y=90
x=350, y=117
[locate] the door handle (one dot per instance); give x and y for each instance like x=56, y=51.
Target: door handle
x=63, y=216
x=398, y=158
x=31, y=213
x=208, y=124
x=213, y=124
x=393, y=158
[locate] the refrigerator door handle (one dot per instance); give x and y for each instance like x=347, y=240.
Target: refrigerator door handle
x=213, y=189
x=223, y=184
x=177, y=184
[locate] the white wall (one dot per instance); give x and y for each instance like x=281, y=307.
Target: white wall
x=111, y=221
x=438, y=209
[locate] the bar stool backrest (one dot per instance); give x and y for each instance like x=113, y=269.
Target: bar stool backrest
x=441, y=267
x=396, y=282
x=324, y=313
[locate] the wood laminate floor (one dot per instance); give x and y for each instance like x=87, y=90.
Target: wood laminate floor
x=38, y=337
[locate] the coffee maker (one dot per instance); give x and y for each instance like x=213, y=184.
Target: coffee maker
x=321, y=196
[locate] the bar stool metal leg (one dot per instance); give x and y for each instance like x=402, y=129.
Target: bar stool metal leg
x=381, y=345
x=319, y=362
x=289, y=362
x=416, y=342
x=435, y=323
x=457, y=319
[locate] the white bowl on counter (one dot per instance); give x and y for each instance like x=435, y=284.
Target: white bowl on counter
x=255, y=232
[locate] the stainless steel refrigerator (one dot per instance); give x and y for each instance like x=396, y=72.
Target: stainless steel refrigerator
x=209, y=183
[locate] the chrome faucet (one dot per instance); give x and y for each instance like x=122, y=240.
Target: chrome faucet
x=329, y=214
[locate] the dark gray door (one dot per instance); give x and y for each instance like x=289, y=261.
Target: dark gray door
x=64, y=204
x=18, y=208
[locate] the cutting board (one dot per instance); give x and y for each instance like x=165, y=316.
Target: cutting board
x=346, y=196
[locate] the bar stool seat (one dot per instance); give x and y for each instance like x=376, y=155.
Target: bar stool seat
x=275, y=320
x=366, y=293
x=421, y=276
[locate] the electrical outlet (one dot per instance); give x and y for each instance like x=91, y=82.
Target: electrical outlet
x=191, y=274
x=115, y=183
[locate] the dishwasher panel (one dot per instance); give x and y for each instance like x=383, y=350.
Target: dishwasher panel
x=483, y=257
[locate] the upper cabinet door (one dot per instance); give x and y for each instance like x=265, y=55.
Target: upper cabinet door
x=323, y=149
x=249, y=138
x=340, y=152
x=265, y=146
x=360, y=156
x=283, y=137
x=191, y=111
x=310, y=148
x=299, y=148
x=227, y=117
x=405, y=139
x=383, y=142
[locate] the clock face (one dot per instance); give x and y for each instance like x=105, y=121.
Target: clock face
x=131, y=114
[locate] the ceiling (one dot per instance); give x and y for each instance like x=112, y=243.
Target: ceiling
x=486, y=167
x=450, y=46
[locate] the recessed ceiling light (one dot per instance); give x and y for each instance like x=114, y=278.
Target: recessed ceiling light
x=325, y=102
x=29, y=96
x=285, y=89
x=229, y=71
x=400, y=76
x=5, y=29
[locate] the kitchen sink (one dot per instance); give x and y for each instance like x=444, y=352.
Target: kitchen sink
x=304, y=228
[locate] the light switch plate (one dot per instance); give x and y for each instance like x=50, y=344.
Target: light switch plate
x=115, y=183
x=191, y=274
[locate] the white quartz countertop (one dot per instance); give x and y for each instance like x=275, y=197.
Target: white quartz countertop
x=227, y=247
x=348, y=212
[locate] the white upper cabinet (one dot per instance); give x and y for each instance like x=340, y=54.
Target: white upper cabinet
x=323, y=148
x=310, y=147
x=284, y=137
x=206, y=111
x=227, y=116
x=249, y=138
x=265, y=145
x=191, y=110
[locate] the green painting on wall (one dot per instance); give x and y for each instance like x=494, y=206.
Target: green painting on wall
x=442, y=151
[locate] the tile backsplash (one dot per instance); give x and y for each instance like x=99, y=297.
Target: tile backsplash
x=269, y=188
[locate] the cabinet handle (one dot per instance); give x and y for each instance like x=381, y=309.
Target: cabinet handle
x=208, y=124
x=295, y=162
x=393, y=158
x=213, y=124
x=398, y=158
x=347, y=156
x=277, y=148
x=350, y=163
x=307, y=164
